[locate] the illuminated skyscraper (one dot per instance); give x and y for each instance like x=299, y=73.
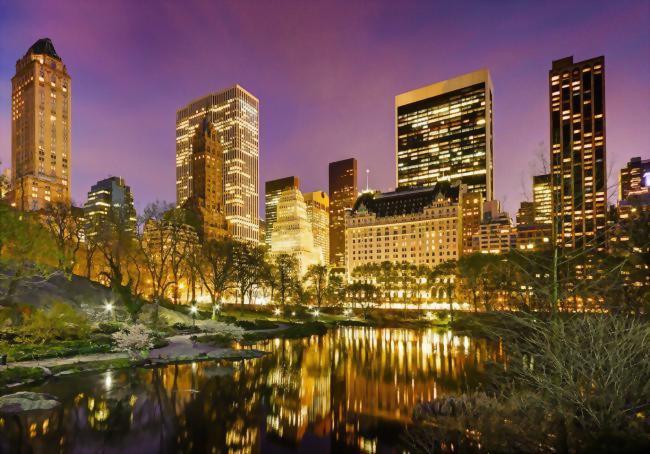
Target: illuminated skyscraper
x=634, y=178
x=318, y=214
x=40, y=128
x=343, y=193
x=444, y=133
x=543, y=199
x=109, y=197
x=272, y=191
x=234, y=112
x=207, y=200
x=578, y=167
x=292, y=231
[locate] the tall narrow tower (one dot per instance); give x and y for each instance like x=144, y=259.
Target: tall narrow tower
x=234, y=113
x=40, y=128
x=343, y=193
x=578, y=168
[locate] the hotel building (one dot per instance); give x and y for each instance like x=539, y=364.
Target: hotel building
x=272, y=191
x=234, y=113
x=343, y=193
x=318, y=214
x=422, y=226
x=40, y=128
x=472, y=208
x=578, y=156
x=444, y=133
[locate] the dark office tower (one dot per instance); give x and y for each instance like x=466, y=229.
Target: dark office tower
x=343, y=193
x=578, y=172
x=526, y=214
x=444, y=133
x=272, y=191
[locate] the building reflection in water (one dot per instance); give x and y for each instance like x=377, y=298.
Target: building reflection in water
x=353, y=389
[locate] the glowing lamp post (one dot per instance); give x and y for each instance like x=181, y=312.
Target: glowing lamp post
x=110, y=309
x=193, y=311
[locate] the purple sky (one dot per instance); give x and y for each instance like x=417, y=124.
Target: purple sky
x=326, y=74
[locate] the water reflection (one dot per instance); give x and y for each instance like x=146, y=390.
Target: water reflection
x=352, y=389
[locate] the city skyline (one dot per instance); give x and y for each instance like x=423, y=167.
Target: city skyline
x=353, y=99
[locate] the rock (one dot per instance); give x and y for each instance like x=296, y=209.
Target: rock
x=27, y=401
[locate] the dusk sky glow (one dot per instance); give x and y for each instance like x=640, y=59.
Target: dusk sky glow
x=326, y=74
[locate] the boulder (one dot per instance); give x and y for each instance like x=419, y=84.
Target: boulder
x=27, y=401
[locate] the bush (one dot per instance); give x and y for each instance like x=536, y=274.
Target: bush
x=134, y=339
x=59, y=322
x=108, y=327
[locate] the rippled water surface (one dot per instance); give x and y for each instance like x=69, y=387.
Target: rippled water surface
x=352, y=389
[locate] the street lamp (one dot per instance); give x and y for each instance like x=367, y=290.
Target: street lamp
x=316, y=313
x=193, y=311
x=109, y=308
x=277, y=312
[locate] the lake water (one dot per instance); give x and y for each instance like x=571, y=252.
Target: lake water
x=352, y=389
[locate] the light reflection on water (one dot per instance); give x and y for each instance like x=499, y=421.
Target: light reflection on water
x=353, y=389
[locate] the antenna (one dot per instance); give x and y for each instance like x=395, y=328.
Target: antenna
x=367, y=179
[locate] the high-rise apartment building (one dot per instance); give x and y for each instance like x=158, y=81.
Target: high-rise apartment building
x=543, y=199
x=343, y=193
x=444, y=133
x=109, y=197
x=272, y=191
x=421, y=226
x=318, y=214
x=40, y=128
x=206, y=200
x=292, y=232
x=578, y=156
x=234, y=113
x=634, y=178
x=526, y=213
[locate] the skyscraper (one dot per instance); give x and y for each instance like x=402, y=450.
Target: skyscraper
x=543, y=199
x=578, y=168
x=292, y=232
x=272, y=191
x=40, y=128
x=207, y=200
x=109, y=197
x=343, y=193
x=526, y=213
x=318, y=214
x=444, y=132
x=634, y=178
x=234, y=112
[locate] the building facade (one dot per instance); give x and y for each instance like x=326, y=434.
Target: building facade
x=421, y=226
x=543, y=199
x=578, y=152
x=112, y=198
x=292, y=232
x=472, y=211
x=343, y=193
x=272, y=191
x=318, y=214
x=634, y=178
x=234, y=112
x=40, y=128
x=526, y=213
x=496, y=234
x=444, y=133
x=206, y=200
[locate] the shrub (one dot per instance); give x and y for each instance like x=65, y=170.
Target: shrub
x=108, y=327
x=225, y=329
x=136, y=340
x=256, y=324
x=59, y=322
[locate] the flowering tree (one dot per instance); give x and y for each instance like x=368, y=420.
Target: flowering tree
x=134, y=339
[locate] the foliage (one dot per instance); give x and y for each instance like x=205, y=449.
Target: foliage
x=134, y=339
x=317, y=280
x=363, y=295
x=108, y=327
x=286, y=271
x=13, y=375
x=225, y=329
x=24, y=351
x=259, y=324
x=60, y=322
